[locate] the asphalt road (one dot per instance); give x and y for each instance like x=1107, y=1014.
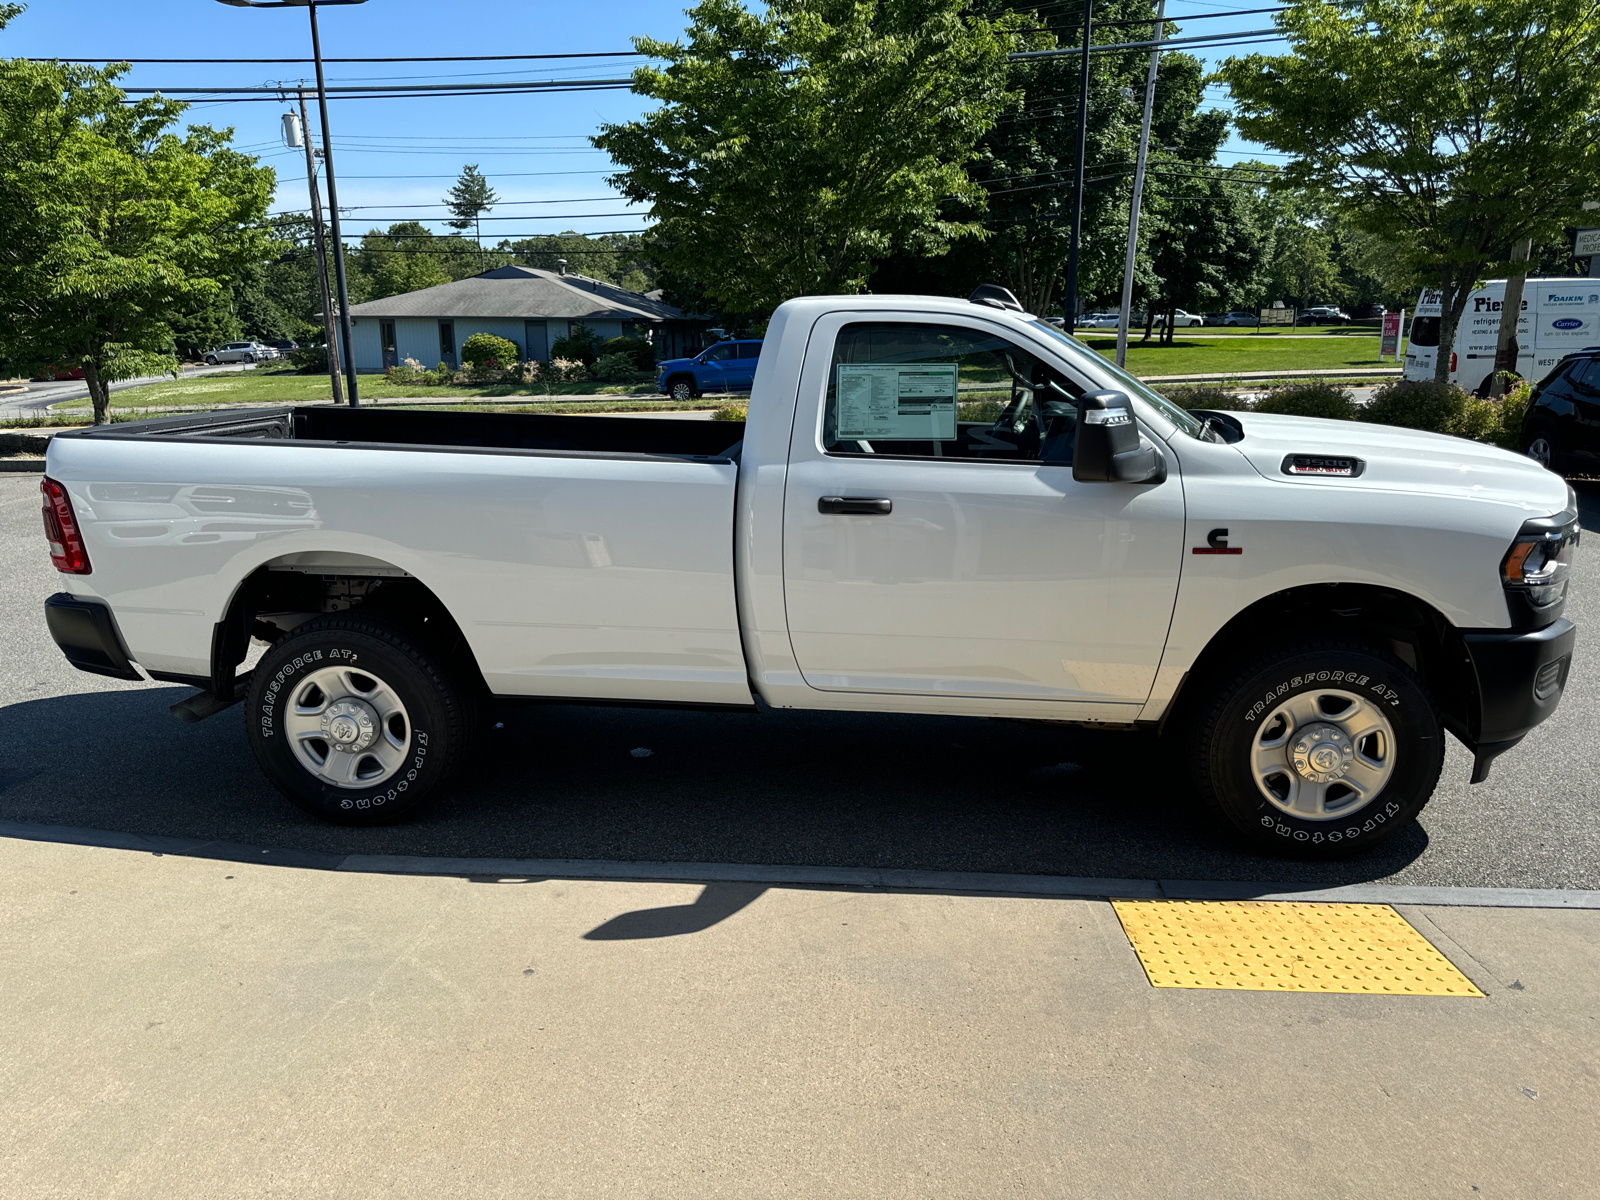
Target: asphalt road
x=38, y=397
x=783, y=788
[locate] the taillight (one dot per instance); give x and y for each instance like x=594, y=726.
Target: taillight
x=61, y=530
x=1452, y=361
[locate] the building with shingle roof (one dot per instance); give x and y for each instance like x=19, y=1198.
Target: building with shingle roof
x=527, y=305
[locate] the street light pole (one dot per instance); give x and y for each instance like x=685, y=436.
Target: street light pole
x=1077, y=187
x=349, y=352
x=329, y=337
x=327, y=160
x=1138, y=189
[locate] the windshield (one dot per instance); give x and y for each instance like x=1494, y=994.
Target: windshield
x=1160, y=403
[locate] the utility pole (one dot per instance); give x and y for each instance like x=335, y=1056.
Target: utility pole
x=1077, y=187
x=322, y=255
x=1138, y=189
x=333, y=213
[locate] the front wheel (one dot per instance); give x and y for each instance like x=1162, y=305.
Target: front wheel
x=1540, y=445
x=683, y=391
x=354, y=721
x=211, y=360
x=1319, y=750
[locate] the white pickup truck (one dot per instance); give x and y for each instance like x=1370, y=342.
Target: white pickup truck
x=935, y=506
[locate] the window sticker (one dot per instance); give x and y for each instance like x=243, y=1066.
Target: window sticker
x=891, y=402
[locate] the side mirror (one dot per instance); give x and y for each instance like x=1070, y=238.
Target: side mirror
x=1106, y=448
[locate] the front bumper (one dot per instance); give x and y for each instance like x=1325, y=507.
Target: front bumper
x=87, y=634
x=1520, y=676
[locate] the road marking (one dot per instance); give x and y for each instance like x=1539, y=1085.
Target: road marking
x=1264, y=946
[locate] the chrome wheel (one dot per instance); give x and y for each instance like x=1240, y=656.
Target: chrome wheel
x=682, y=392
x=1323, y=754
x=348, y=727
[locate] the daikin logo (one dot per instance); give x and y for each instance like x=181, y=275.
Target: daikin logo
x=1553, y=298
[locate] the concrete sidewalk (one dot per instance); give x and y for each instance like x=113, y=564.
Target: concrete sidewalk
x=177, y=1026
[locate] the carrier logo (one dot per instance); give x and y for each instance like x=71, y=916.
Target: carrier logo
x=1567, y=323
x=1217, y=543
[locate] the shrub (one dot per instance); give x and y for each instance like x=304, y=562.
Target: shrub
x=567, y=370
x=1418, y=404
x=1513, y=408
x=616, y=368
x=641, y=352
x=408, y=372
x=731, y=412
x=1205, y=396
x=487, y=350
x=1309, y=400
x=579, y=344
x=310, y=360
x=980, y=410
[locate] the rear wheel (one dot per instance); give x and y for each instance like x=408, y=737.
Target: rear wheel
x=1319, y=750
x=354, y=721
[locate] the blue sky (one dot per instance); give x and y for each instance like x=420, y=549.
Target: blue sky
x=390, y=153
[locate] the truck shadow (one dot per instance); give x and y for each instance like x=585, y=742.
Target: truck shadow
x=781, y=788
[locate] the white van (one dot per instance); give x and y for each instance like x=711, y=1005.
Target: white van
x=1558, y=317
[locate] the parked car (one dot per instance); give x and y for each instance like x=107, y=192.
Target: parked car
x=1101, y=320
x=46, y=374
x=284, y=345
x=1240, y=317
x=1324, y=314
x=1305, y=606
x=726, y=367
x=248, y=352
x=1368, y=312
x=1181, y=319
x=1559, y=429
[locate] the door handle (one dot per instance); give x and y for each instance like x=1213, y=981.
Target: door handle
x=858, y=505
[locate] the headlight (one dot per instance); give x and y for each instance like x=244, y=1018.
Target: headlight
x=1536, y=567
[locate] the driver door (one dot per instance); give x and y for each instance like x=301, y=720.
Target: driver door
x=935, y=542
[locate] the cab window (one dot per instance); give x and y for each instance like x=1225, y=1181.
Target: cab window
x=717, y=354
x=909, y=390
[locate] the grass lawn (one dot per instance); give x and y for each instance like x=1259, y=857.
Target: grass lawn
x=1231, y=356
x=266, y=388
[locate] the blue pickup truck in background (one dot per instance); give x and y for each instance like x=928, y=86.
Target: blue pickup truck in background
x=725, y=367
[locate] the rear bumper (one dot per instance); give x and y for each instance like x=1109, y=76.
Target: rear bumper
x=1520, y=680
x=87, y=634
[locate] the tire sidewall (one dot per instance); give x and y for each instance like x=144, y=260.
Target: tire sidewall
x=273, y=683
x=1419, y=751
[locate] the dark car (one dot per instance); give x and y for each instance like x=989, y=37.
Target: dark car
x=1561, y=430
x=284, y=345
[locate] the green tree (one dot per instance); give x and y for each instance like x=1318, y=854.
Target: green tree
x=1208, y=245
x=114, y=226
x=469, y=198
x=408, y=256
x=796, y=146
x=1451, y=129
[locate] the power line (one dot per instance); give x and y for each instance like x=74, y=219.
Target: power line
x=425, y=58
x=534, y=84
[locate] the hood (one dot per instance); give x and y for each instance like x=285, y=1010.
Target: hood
x=1400, y=460
x=673, y=364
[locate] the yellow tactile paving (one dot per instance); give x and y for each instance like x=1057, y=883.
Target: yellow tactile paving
x=1260, y=945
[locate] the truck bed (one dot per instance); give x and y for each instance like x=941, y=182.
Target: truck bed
x=584, y=557
x=390, y=428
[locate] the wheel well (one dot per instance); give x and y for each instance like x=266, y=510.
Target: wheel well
x=278, y=597
x=1411, y=629
x=681, y=377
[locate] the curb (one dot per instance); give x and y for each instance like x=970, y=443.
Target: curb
x=886, y=879
x=1249, y=376
x=21, y=466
